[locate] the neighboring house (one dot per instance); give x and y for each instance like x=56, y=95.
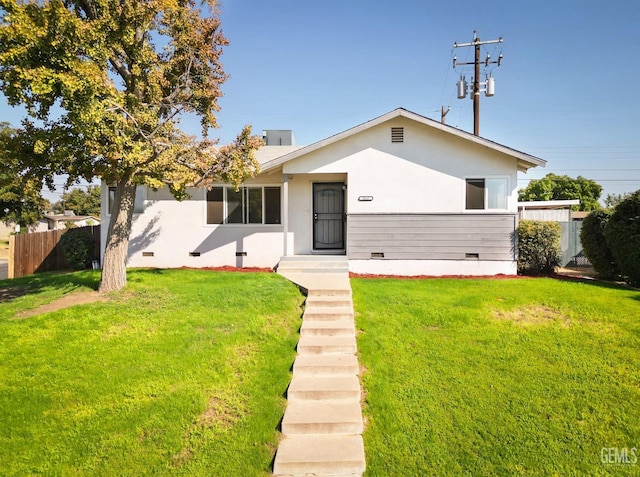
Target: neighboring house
x=6, y=229
x=400, y=194
x=547, y=210
x=60, y=221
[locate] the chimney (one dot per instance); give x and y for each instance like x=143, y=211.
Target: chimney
x=278, y=137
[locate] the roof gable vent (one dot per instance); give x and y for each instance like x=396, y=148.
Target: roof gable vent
x=397, y=134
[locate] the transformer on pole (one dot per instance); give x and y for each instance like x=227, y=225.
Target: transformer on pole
x=488, y=86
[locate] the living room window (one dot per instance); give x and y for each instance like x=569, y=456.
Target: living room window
x=486, y=193
x=247, y=205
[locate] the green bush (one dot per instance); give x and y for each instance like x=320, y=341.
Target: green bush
x=623, y=237
x=78, y=247
x=595, y=245
x=539, y=249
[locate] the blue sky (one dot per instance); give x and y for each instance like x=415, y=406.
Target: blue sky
x=566, y=90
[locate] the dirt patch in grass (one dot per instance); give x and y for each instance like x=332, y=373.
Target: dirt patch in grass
x=533, y=315
x=76, y=298
x=219, y=413
x=182, y=457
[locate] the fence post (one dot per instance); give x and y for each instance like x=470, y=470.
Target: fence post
x=12, y=255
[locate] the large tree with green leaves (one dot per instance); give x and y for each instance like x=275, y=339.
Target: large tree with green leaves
x=20, y=199
x=105, y=83
x=555, y=187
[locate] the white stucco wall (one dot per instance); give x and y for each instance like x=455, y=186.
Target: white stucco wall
x=424, y=174
x=171, y=230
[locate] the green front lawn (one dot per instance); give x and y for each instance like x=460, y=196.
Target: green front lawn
x=182, y=373
x=498, y=377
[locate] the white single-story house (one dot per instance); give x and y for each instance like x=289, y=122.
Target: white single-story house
x=400, y=194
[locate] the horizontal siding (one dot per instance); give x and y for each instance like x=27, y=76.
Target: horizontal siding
x=431, y=236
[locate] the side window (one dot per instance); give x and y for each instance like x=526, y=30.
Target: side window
x=138, y=204
x=496, y=193
x=475, y=194
x=234, y=206
x=486, y=194
x=272, y=205
x=215, y=205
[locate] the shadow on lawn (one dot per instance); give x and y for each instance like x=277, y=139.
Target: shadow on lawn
x=17, y=287
x=597, y=283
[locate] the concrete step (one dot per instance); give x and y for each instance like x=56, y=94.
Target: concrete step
x=314, y=258
x=329, y=290
x=322, y=417
x=327, y=328
x=329, y=301
x=309, y=271
x=330, y=364
x=320, y=456
x=320, y=283
x=327, y=344
x=328, y=313
x=313, y=264
x=323, y=387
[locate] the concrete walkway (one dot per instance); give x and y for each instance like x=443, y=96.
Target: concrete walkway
x=322, y=425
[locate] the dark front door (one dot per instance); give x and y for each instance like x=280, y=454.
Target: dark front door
x=328, y=216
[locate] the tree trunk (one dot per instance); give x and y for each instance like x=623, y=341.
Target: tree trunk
x=114, y=267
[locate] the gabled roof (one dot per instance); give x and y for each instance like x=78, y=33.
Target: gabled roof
x=525, y=161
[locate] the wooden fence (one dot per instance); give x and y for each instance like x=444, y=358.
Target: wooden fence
x=41, y=252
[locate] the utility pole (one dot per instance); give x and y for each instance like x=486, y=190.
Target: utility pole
x=443, y=114
x=488, y=84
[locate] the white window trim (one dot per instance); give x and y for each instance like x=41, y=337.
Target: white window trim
x=486, y=194
x=225, y=203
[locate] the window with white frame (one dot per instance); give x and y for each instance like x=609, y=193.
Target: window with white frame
x=247, y=205
x=486, y=193
x=138, y=204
